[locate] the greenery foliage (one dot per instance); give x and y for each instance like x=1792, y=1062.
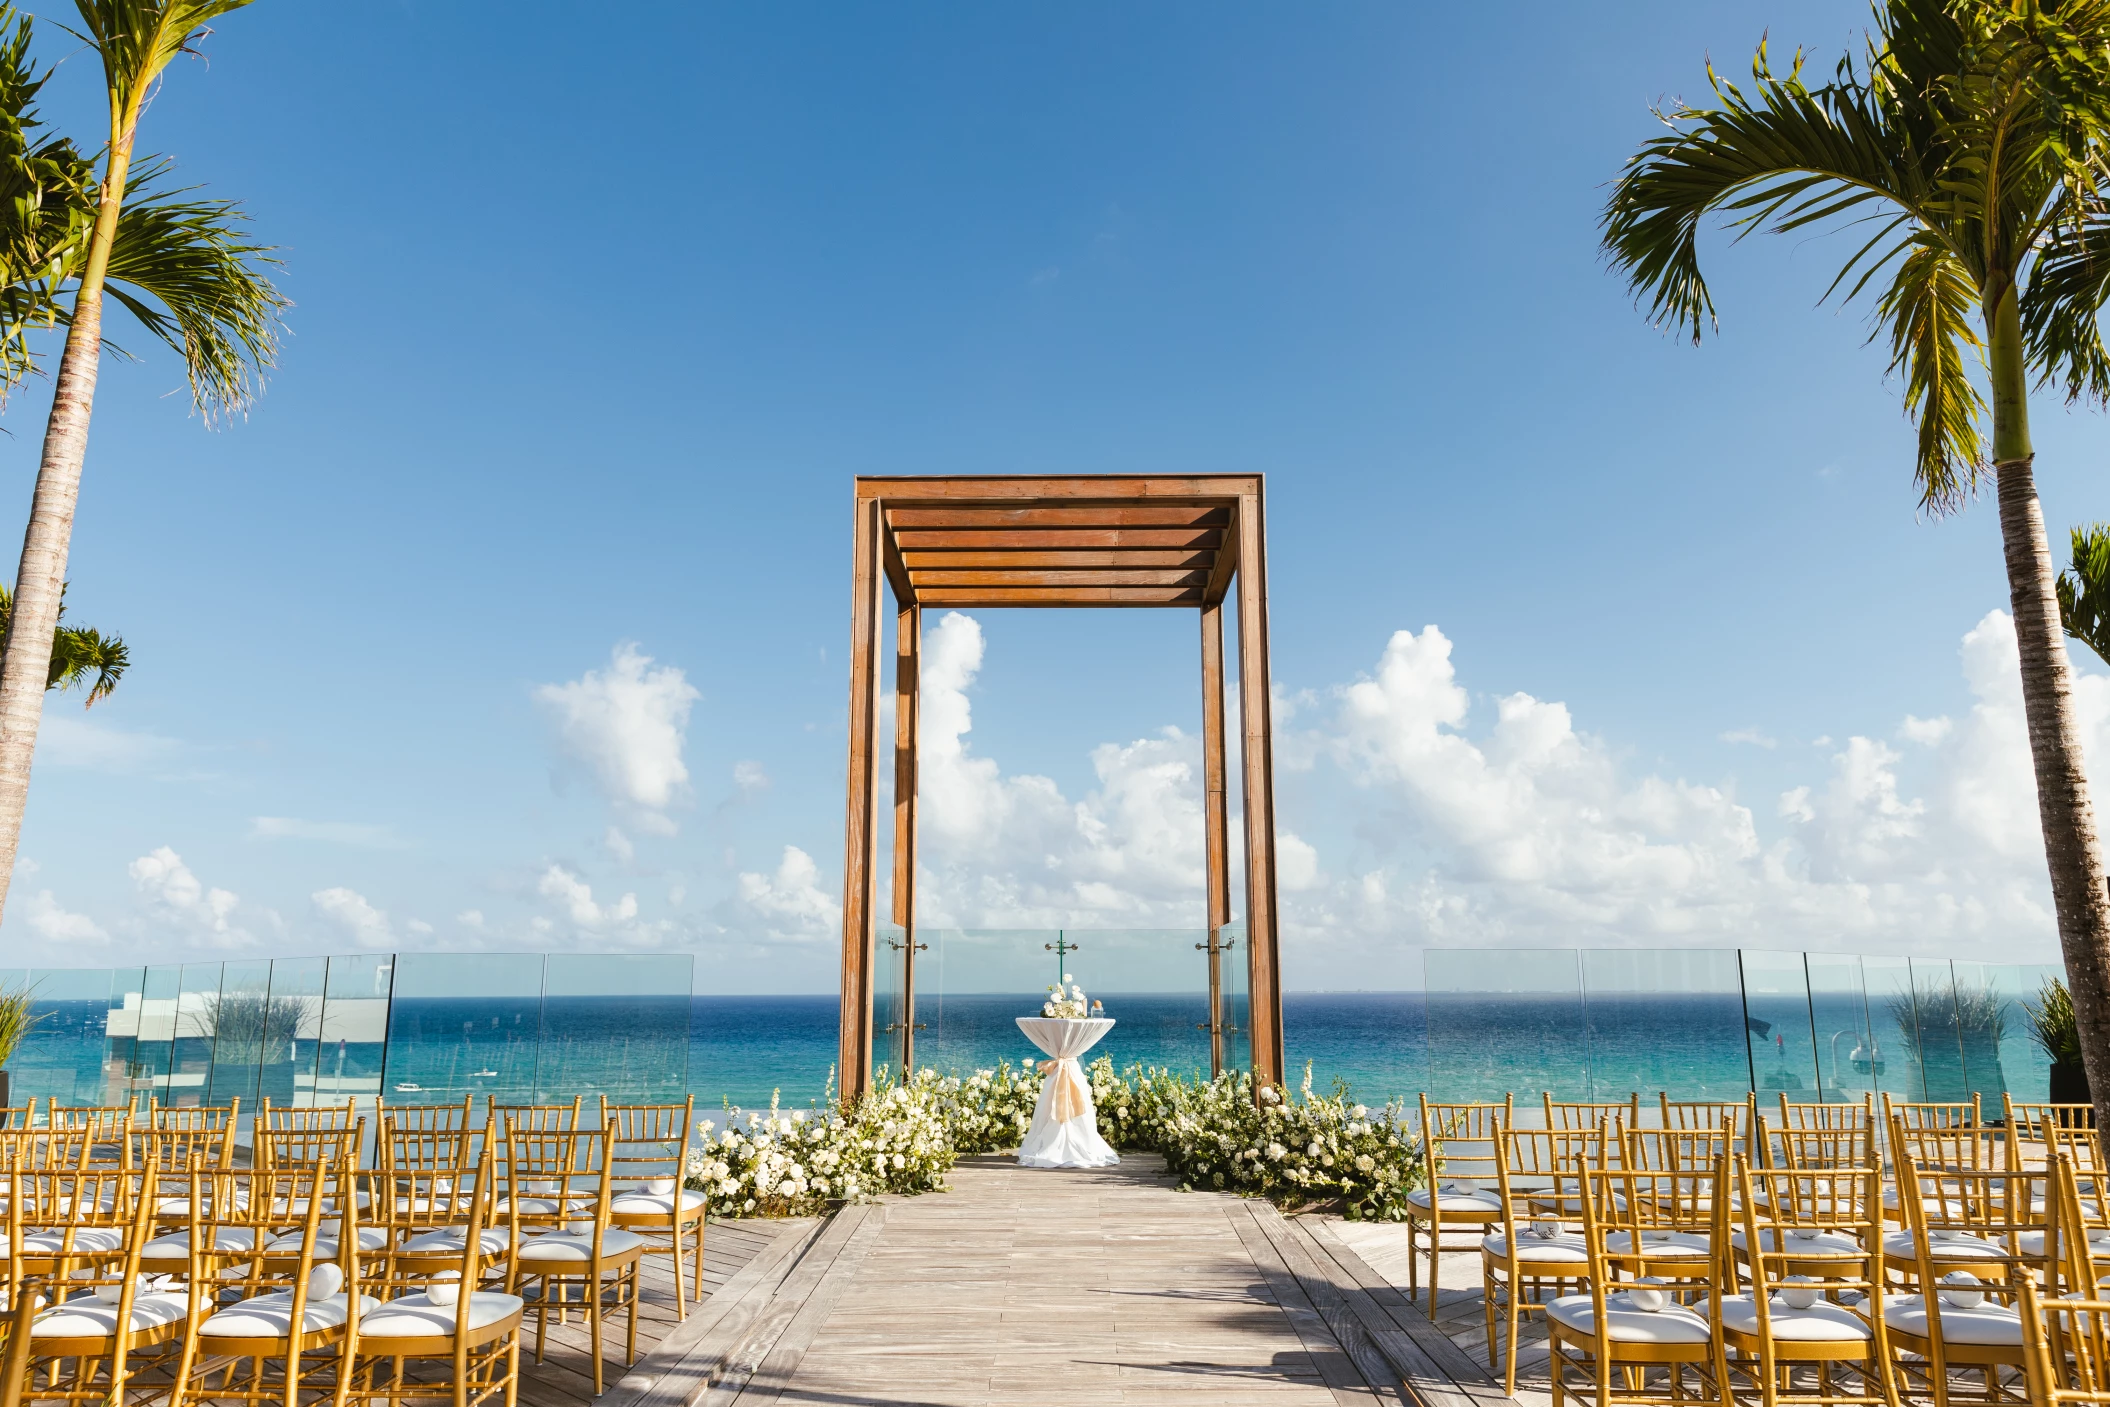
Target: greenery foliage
x=1943, y=1011
x=252, y=1028
x=2052, y=1025
x=904, y=1137
x=18, y=1016
x=79, y=654
x=2084, y=590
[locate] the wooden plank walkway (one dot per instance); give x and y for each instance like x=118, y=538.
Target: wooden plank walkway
x=1022, y=1286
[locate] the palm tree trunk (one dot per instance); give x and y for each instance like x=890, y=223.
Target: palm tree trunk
x=2080, y=889
x=25, y=656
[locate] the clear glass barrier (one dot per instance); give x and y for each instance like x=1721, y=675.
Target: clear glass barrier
x=463, y=1023
x=292, y=1042
x=1983, y=1013
x=61, y=1056
x=1235, y=979
x=889, y=1008
x=614, y=1024
x=1667, y=1020
x=1893, y=1026
x=2024, y=1065
x=1506, y=1021
x=241, y=1022
x=190, y=1055
x=1850, y=1063
x=1777, y=1026
x=1941, y=1020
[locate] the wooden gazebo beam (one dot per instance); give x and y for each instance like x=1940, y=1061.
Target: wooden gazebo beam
x=982, y=541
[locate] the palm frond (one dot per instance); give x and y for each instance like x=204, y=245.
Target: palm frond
x=2084, y=590
x=1928, y=309
x=184, y=270
x=77, y=653
x=137, y=39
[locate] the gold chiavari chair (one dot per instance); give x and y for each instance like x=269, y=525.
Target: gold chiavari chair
x=1645, y=1331
x=107, y=1323
x=571, y=1255
x=442, y=1315
x=2066, y=1348
x=1457, y=1143
x=1808, y=1241
x=109, y=1128
x=297, y=1118
x=19, y=1116
x=429, y=1118
x=291, y=1317
x=535, y=1118
x=1534, y=1258
x=1741, y=1115
x=1935, y=1146
x=2022, y=1118
x=428, y=1183
x=649, y=1150
x=1677, y=1178
x=1581, y=1114
x=1962, y=1257
x=63, y=1216
x=1934, y=1114
x=333, y=1155
x=1840, y=1116
x=2078, y=1240
x=1823, y=1148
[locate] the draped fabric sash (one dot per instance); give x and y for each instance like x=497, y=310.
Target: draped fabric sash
x=1071, y=1096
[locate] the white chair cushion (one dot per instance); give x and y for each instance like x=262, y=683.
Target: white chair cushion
x=89, y=1318
x=1824, y=1243
x=1665, y=1245
x=1822, y=1322
x=1458, y=1200
x=271, y=1316
x=1899, y=1244
x=662, y=1203
x=176, y=1246
x=371, y=1238
x=2032, y=1243
x=1566, y=1247
x=87, y=1240
x=415, y=1316
x=1987, y=1325
x=491, y=1241
x=1675, y=1324
x=562, y=1245
x=543, y=1206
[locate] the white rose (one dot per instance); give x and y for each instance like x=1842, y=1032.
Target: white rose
x=1365, y=1163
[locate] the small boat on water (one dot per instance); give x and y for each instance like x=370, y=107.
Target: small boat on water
x=483, y=1074
x=407, y=1088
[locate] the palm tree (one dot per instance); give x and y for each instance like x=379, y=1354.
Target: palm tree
x=68, y=236
x=2084, y=591
x=79, y=654
x=1967, y=149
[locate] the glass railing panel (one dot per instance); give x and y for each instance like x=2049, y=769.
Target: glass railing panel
x=1988, y=1013
x=1235, y=1005
x=1850, y=1064
x=1777, y=1027
x=1375, y=1042
x=614, y=1024
x=1504, y=1022
x=352, y=1035
x=889, y=1012
x=1943, y=1015
x=2025, y=1068
x=1665, y=1020
x=1154, y=983
x=135, y=1051
x=190, y=1049
x=61, y=1056
x=1893, y=1024
x=463, y=1024
x=973, y=984
x=292, y=1035
x=241, y=1023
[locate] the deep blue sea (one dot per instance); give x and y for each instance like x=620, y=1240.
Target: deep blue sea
x=743, y=1050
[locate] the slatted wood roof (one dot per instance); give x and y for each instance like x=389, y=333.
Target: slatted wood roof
x=1078, y=540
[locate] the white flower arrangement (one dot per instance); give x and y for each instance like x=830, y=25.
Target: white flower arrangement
x=1065, y=1008
x=904, y=1137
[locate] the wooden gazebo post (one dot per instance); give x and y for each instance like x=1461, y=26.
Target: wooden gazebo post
x=976, y=542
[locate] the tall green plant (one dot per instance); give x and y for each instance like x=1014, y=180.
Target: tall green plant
x=2051, y=1023
x=18, y=1017
x=72, y=235
x=1966, y=150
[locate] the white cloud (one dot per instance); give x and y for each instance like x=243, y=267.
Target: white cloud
x=353, y=917
x=174, y=898
x=790, y=906
x=69, y=739
x=625, y=728
x=330, y=832
x=750, y=778
x=1751, y=736
x=52, y=923
x=574, y=896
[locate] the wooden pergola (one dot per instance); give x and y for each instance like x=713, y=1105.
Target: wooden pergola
x=979, y=541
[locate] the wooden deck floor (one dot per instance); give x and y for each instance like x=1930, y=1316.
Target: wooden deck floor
x=1023, y=1286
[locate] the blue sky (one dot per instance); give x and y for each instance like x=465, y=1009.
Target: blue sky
x=595, y=321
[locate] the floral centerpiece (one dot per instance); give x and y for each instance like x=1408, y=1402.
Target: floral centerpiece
x=1072, y=1007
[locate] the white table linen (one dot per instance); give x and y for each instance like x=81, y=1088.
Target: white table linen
x=1073, y=1142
